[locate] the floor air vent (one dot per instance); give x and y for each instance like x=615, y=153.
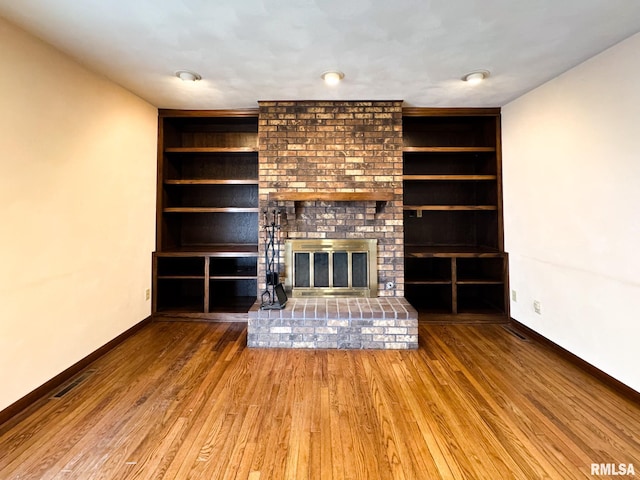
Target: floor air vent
x=515, y=333
x=73, y=383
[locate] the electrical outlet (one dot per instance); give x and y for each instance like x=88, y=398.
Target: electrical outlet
x=147, y=294
x=514, y=296
x=537, y=307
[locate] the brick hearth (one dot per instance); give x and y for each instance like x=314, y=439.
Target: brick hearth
x=348, y=323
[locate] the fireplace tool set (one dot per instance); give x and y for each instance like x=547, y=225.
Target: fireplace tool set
x=274, y=296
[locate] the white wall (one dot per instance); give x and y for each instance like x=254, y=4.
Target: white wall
x=571, y=159
x=77, y=210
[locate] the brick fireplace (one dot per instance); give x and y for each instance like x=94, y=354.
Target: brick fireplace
x=334, y=169
x=337, y=147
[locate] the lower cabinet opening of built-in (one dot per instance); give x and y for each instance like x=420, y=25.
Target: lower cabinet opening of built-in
x=180, y=295
x=180, y=266
x=486, y=299
x=233, y=266
x=480, y=269
x=427, y=269
x=235, y=295
x=430, y=298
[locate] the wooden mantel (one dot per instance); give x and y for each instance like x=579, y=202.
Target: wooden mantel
x=326, y=196
x=380, y=198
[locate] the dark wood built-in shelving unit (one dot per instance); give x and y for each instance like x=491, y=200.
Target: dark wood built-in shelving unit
x=205, y=264
x=206, y=261
x=455, y=264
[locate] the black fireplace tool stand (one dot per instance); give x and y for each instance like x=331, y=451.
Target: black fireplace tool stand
x=274, y=296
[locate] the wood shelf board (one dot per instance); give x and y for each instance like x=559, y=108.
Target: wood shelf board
x=233, y=277
x=212, y=182
x=211, y=210
x=228, y=314
x=232, y=254
x=211, y=149
x=331, y=196
x=459, y=208
x=233, y=309
x=427, y=282
x=410, y=149
x=449, y=177
x=479, y=311
x=180, y=277
x=479, y=281
x=215, y=250
x=428, y=251
x=237, y=304
x=190, y=310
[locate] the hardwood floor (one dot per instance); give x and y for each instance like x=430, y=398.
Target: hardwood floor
x=188, y=400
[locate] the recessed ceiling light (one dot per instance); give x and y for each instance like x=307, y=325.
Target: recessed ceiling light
x=474, y=78
x=188, y=76
x=332, y=77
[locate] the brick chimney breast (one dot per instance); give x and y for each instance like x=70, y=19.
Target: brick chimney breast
x=336, y=147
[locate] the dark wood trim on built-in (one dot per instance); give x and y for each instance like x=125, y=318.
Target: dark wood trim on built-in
x=13, y=411
x=499, y=185
x=242, y=112
x=605, y=378
x=444, y=112
x=159, y=179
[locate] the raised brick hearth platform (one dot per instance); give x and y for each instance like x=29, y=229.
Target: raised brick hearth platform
x=346, y=323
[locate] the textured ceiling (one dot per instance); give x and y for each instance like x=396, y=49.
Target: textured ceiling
x=250, y=50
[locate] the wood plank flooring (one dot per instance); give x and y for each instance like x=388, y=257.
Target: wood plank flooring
x=188, y=400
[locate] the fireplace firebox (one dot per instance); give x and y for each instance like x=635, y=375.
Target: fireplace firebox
x=331, y=267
